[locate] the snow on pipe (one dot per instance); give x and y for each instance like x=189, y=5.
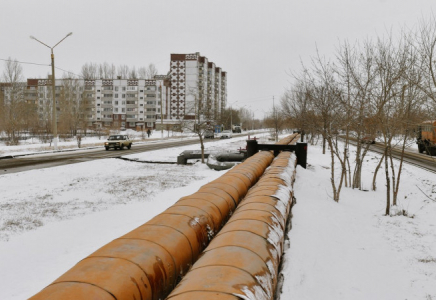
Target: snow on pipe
x=242, y=261
x=149, y=261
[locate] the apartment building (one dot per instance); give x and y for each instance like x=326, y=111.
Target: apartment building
x=196, y=82
x=116, y=103
x=192, y=82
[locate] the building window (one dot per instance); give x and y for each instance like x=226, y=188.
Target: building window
x=123, y=110
x=116, y=102
x=123, y=96
x=124, y=88
x=123, y=117
x=131, y=88
x=116, y=96
x=131, y=124
x=149, y=124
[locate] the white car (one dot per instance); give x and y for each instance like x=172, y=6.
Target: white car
x=226, y=134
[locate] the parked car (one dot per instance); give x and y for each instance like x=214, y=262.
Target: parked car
x=118, y=141
x=209, y=134
x=368, y=140
x=226, y=134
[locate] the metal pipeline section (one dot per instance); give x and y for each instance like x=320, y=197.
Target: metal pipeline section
x=149, y=261
x=242, y=261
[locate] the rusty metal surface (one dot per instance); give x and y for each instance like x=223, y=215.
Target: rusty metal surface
x=224, y=279
x=72, y=291
x=251, y=243
x=204, y=295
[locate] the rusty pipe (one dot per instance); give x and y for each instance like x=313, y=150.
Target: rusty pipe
x=242, y=261
x=149, y=261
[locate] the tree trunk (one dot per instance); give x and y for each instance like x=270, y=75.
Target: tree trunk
x=374, y=184
x=388, y=183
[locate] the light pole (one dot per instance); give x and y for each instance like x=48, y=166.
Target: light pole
x=55, y=125
x=161, y=112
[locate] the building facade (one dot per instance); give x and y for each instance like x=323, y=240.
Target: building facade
x=193, y=82
x=196, y=83
x=116, y=103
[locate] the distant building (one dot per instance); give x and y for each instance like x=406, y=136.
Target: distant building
x=195, y=81
x=138, y=103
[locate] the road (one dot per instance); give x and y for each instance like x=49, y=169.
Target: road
x=47, y=160
x=420, y=160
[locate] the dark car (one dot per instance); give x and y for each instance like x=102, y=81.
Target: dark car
x=368, y=140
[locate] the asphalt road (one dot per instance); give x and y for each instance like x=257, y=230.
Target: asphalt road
x=47, y=160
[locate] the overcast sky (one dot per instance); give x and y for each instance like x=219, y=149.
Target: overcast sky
x=258, y=43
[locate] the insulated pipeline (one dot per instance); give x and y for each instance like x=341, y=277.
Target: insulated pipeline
x=242, y=261
x=149, y=261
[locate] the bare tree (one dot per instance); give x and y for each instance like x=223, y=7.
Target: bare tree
x=14, y=106
x=123, y=71
x=199, y=117
x=90, y=71
x=151, y=71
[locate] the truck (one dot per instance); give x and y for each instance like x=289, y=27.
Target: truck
x=426, y=137
x=236, y=128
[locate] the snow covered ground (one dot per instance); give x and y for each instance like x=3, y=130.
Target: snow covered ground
x=52, y=218
x=350, y=250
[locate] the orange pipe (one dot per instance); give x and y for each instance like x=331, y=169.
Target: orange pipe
x=242, y=261
x=149, y=261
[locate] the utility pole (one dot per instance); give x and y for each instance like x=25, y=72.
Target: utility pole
x=161, y=112
x=55, y=125
x=231, y=118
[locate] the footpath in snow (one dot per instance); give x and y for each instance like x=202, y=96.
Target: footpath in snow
x=350, y=250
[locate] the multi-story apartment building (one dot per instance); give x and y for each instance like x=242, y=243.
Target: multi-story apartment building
x=196, y=83
x=192, y=83
x=118, y=103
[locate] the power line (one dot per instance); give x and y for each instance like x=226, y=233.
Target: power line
x=70, y=72
x=23, y=62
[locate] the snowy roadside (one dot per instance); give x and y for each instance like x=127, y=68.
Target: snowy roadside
x=350, y=250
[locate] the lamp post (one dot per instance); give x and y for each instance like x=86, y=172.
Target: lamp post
x=161, y=112
x=55, y=125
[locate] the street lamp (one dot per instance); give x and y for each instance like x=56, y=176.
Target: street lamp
x=55, y=125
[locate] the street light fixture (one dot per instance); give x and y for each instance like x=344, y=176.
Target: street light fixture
x=55, y=125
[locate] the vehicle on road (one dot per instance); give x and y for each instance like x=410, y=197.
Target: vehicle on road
x=236, y=129
x=426, y=137
x=209, y=134
x=226, y=134
x=118, y=141
x=368, y=140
